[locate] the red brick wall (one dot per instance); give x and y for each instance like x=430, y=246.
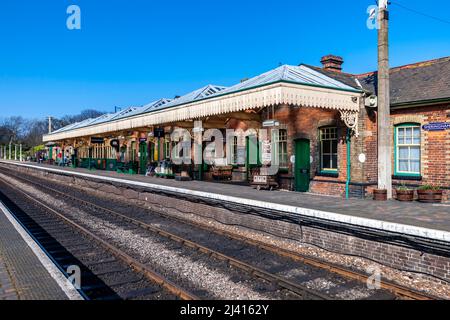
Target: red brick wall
x=435, y=145
x=304, y=123
x=388, y=253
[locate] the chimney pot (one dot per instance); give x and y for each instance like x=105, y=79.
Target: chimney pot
x=332, y=63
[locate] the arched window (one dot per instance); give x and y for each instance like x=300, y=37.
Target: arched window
x=407, y=149
x=328, y=149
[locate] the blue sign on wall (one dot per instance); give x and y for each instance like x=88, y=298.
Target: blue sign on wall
x=436, y=126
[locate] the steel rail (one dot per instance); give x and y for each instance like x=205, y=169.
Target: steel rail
x=138, y=266
x=298, y=289
x=397, y=289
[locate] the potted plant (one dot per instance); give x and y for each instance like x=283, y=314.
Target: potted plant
x=380, y=194
x=404, y=193
x=429, y=193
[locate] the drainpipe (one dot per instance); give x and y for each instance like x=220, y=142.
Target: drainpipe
x=347, y=184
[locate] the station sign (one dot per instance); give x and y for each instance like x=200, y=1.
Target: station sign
x=436, y=126
x=260, y=179
x=158, y=132
x=97, y=140
x=271, y=123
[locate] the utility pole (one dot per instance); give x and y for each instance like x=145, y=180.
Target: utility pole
x=49, y=124
x=384, y=130
x=15, y=152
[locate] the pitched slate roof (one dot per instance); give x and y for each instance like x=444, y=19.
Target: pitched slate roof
x=347, y=78
x=154, y=105
x=195, y=95
x=303, y=74
x=76, y=125
x=297, y=74
x=422, y=81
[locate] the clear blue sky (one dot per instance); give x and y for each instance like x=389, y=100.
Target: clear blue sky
x=130, y=52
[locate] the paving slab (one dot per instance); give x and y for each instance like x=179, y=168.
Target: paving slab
x=24, y=275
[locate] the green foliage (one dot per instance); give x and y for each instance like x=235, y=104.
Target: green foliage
x=404, y=187
x=429, y=187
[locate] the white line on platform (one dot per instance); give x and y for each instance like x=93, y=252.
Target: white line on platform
x=330, y=216
x=51, y=268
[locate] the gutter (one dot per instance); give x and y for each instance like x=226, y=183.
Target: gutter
x=420, y=103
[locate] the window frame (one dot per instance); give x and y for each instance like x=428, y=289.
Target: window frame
x=321, y=167
x=278, y=147
x=234, y=150
x=167, y=147
x=396, y=150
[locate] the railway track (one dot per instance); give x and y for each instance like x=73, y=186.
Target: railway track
x=295, y=291
x=106, y=271
x=301, y=290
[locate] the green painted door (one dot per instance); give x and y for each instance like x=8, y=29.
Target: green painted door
x=252, y=154
x=142, y=157
x=302, y=165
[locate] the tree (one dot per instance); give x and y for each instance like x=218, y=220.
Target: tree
x=11, y=129
x=29, y=132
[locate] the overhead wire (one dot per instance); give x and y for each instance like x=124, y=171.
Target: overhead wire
x=420, y=13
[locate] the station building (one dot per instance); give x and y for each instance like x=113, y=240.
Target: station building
x=323, y=129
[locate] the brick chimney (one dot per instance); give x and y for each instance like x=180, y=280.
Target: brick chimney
x=332, y=63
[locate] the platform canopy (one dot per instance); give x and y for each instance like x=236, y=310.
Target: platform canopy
x=297, y=86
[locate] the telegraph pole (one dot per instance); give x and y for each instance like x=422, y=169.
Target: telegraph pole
x=384, y=130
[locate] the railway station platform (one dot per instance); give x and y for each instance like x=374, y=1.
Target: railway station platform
x=26, y=273
x=416, y=219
